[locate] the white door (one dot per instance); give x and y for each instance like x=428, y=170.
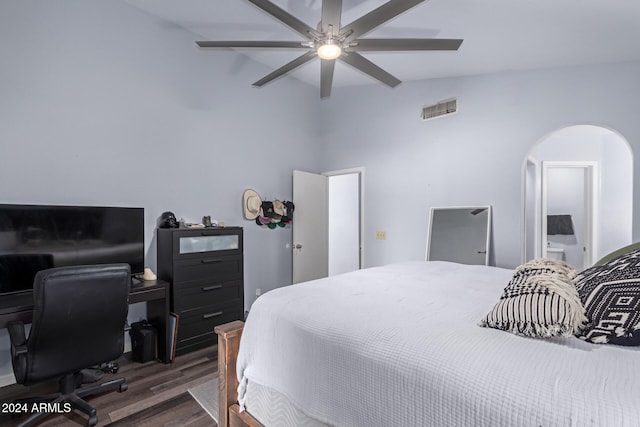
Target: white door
x=310, y=226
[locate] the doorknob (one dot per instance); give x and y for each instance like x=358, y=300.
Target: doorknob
x=298, y=246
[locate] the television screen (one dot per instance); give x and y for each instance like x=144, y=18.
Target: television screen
x=35, y=237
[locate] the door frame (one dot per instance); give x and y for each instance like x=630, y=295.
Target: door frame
x=591, y=204
x=361, y=172
x=531, y=196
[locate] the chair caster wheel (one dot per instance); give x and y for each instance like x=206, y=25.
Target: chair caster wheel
x=92, y=421
x=123, y=387
x=111, y=368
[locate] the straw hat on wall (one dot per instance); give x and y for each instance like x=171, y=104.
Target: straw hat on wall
x=252, y=204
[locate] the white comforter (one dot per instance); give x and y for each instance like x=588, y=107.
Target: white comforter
x=400, y=346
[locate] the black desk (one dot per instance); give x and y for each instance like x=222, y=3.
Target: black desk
x=153, y=292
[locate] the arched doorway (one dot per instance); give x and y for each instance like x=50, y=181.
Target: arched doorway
x=577, y=195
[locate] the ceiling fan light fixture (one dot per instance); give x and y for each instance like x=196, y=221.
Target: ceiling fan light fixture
x=329, y=49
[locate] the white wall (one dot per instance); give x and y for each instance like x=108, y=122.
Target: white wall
x=471, y=158
x=101, y=104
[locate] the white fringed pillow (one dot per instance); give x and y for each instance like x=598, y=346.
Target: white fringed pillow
x=539, y=301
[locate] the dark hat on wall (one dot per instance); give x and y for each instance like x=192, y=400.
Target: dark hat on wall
x=267, y=209
x=288, y=216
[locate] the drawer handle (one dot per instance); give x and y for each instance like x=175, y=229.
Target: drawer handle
x=210, y=315
x=211, y=261
x=211, y=288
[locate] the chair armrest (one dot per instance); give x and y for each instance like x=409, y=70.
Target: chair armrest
x=19, y=350
x=17, y=337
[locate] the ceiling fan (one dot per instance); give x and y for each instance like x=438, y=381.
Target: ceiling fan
x=331, y=41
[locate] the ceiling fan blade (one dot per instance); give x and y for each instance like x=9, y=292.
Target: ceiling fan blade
x=326, y=76
x=381, y=45
x=363, y=64
x=376, y=17
x=286, y=18
x=286, y=68
x=276, y=44
x=331, y=15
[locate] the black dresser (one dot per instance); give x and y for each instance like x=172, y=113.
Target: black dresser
x=205, y=269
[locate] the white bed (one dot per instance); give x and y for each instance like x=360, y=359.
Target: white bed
x=400, y=345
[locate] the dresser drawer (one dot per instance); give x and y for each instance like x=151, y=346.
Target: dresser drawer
x=214, y=268
x=192, y=295
x=192, y=243
x=196, y=343
x=198, y=325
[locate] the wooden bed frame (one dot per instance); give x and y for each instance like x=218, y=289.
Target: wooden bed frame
x=229, y=414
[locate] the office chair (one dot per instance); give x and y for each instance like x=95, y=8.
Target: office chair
x=79, y=316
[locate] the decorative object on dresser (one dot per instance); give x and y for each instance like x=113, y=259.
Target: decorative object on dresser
x=168, y=220
x=205, y=270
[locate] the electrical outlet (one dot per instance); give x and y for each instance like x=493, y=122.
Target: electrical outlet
x=381, y=235
x=258, y=292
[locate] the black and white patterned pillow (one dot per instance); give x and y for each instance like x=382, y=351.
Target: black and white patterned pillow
x=539, y=301
x=611, y=296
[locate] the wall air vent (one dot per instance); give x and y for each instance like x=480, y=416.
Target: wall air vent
x=442, y=108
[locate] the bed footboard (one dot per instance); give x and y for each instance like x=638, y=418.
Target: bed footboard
x=229, y=414
x=228, y=345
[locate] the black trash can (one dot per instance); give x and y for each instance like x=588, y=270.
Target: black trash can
x=144, y=346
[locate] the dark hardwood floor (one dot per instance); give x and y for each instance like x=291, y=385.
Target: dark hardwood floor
x=157, y=395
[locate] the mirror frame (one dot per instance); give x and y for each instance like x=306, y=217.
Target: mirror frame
x=488, y=238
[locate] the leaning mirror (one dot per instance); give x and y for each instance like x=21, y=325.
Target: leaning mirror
x=459, y=234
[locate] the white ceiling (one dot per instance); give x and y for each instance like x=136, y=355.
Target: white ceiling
x=498, y=35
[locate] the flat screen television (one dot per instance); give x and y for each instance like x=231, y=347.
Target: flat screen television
x=36, y=237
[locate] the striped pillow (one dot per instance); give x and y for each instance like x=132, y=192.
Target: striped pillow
x=539, y=301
